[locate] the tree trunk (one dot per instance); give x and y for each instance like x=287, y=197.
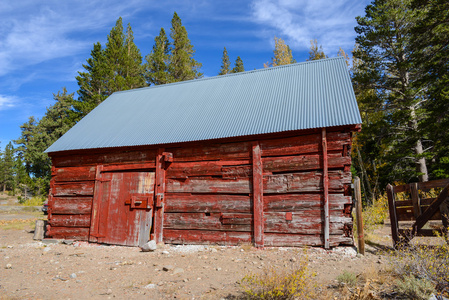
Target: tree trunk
x=420, y=162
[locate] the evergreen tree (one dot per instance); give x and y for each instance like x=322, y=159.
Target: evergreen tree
x=157, y=62
x=225, y=64
x=92, y=83
x=430, y=45
x=118, y=67
x=7, y=168
x=238, y=66
x=387, y=68
x=36, y=138
x=282, y=54
x=182, y=65
x=316, y=52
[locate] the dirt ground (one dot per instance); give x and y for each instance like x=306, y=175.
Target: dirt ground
x=32, y=269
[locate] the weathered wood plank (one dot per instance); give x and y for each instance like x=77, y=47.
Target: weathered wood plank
x=406, y=214
x=294, y=202
x=71, y=205
x=279, y=183
x=129, y=166
x=257, y=191
x=226, y=151
x=112, y=157
x=180, y=202
x=70, y=220
x=174, y=236
x=304, y=144
x=74, y=173
x=235, y=168
x=206, y=203
x=80, y=188
x=304, y=162
x=80, y=234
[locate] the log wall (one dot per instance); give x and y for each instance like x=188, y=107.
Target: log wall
x=209, y=190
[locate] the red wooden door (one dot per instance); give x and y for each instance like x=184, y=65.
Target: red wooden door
x=125, y=208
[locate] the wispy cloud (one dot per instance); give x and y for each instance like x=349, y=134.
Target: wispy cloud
x=40, y=33
x=299, y=21
x=7, y=102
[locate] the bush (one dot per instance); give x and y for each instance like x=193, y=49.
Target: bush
x=427, y=264
x=415, y=288
x=34, y=201
x=294, y=282
x=347, y=278
x=376, y=214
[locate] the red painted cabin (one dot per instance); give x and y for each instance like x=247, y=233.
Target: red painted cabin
x=271, y=169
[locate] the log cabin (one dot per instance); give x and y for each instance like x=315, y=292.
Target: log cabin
x=259, y=157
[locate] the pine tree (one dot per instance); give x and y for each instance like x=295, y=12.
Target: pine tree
x=225, y=64
x=430, y=46
x=37, y=137
x=7, y=168
x=316, y=52
x=157, y=62
x=92, y=83
x=117, y=67
x=282, y=54
x=182, y=65
x=238, y=66
x=387, y=68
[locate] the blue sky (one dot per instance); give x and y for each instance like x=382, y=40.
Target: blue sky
x=43, y=44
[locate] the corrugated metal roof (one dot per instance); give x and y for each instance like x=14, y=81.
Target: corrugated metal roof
x=306, y=95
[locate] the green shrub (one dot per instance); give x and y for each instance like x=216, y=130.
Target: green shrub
x=347, y=278
x=294, y=282
x=34, y=201
x=415, y=288
x=429, y=264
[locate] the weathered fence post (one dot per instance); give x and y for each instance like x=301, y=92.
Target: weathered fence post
x=358, y=214
x=39, y=230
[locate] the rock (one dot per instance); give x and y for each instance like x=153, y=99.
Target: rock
x=149, y=246
x=150, y=286
x=108, y=292
x=218, y=269
x=73, y=275
x=167, y=268
x=8, y=266
x=178, y=271
x=46, y=249
x=213, y=250
x=293, y=259
x=165, y=252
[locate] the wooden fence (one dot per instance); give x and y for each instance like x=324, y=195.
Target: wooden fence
x=416, y=206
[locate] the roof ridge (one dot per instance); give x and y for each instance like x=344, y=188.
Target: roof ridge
x=233, y=74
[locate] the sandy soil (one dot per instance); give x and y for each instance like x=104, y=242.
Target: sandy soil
x=35, y=270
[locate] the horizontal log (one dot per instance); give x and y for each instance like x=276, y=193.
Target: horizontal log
x=235, y=238
x=72, y=233
x=242, y=168
x=69, y=220
x=279, y=183
x=235, y=168
x=129, y=166
x=71, y=205
x=302, y=223
x=206, y=203
x=239, y=203
x=226, y=151
x=114, y=156
x=296, y=240
x=81, y=188
x=305, y=182
x=295, y=202
x=74, y=173
x=304, y=144
x=197, y=237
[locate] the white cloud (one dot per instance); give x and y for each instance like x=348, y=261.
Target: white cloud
x=7, y=102
x=299, y=21
x=32, y=32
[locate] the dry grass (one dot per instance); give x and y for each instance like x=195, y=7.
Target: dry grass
x=17, y=224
